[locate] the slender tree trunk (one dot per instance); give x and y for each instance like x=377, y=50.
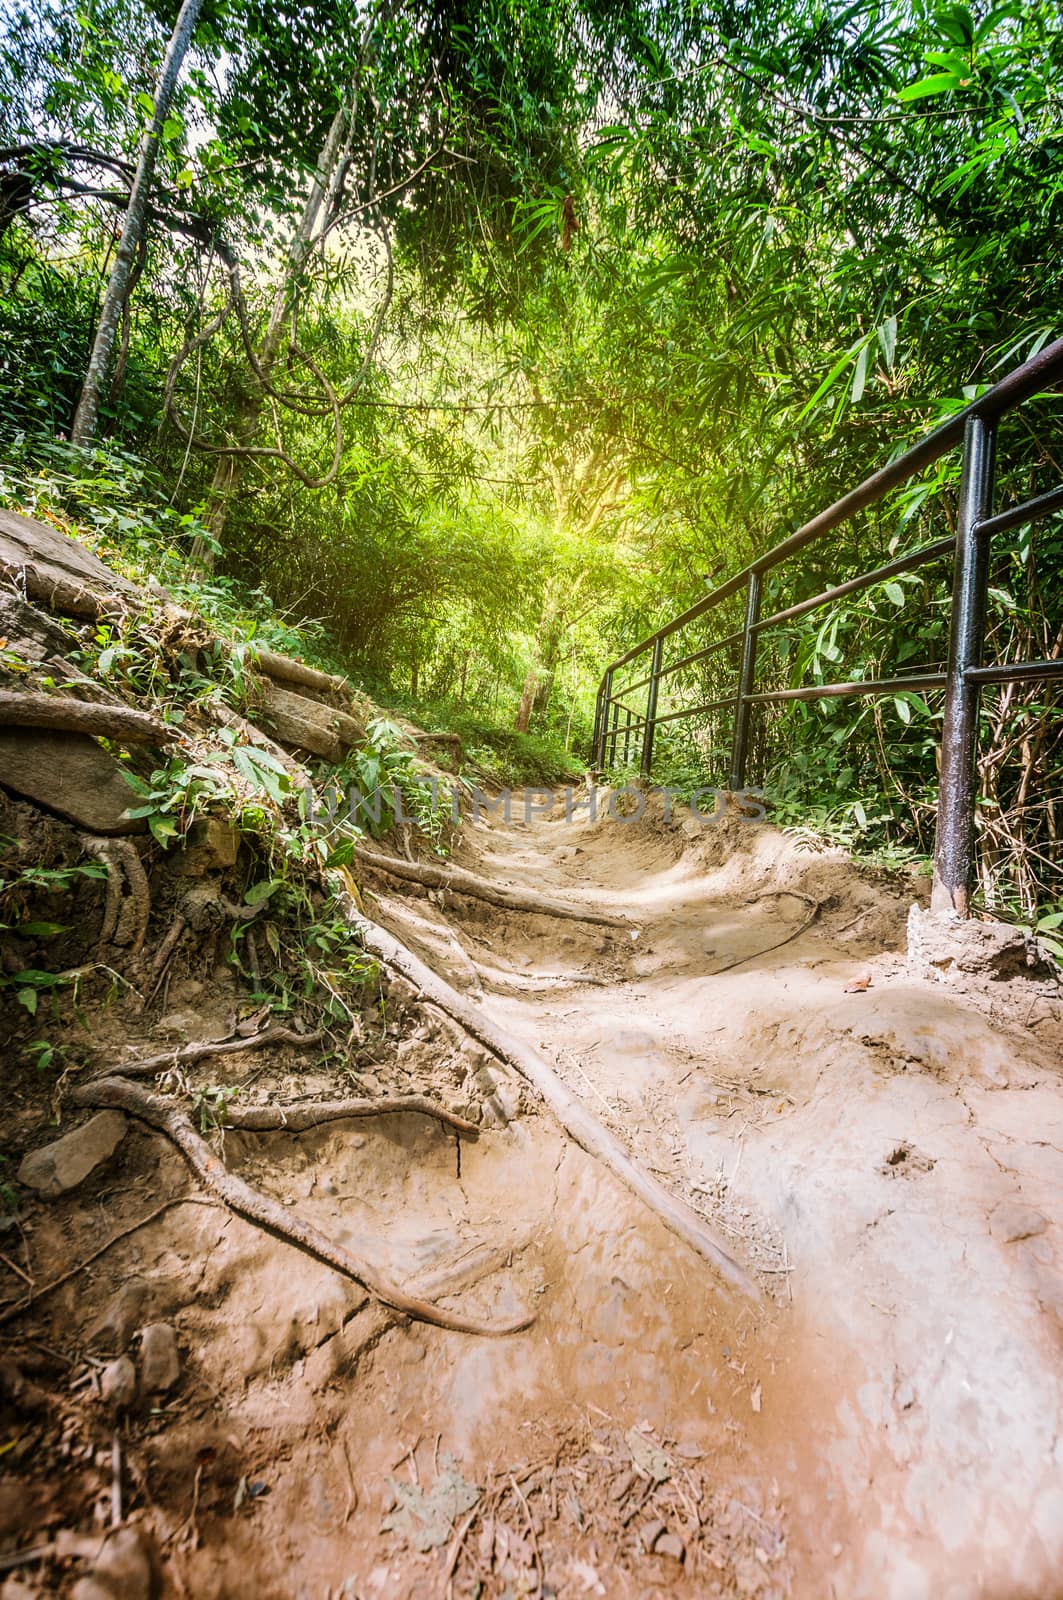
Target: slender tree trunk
x=134, y=229
x=527, y=701
x=539, y=684
x=229, y=471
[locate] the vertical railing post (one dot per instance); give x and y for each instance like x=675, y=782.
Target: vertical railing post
x=954, y=843
x=596, y=737
x=601, y=720
x=651, y=707
x=746, y=674
x=627, y=737
x=611, y=762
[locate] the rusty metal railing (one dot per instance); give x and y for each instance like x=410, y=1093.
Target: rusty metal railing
x=619, y=727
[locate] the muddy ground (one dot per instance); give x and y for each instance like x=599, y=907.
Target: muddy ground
x=883, y=1151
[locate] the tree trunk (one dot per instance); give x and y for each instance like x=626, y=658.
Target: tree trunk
x=527, y=701
x=539, y=684
x=230, y=469
x=134, y=227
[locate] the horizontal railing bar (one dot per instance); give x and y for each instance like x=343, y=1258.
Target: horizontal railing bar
x=627, y=711
x=1041, y=505
x=1015, y=672
x=829, y=691
x=640, y=683
x=700, y=655
x=694, y=711
x=916, y=558
x=1045, y=367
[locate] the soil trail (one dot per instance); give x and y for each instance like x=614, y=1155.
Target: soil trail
x=886, y=1152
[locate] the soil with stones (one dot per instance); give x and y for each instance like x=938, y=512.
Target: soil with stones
x=205, y=1410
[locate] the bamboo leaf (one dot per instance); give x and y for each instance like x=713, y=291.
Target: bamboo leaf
x=937, y=83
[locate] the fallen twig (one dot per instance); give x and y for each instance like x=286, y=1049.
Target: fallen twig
x=16, y=1269
x=116, y=1480
x=164, y=1115
x=573, y=1115
x=536, y=1556
x=454, y=1553
x=20, y=1558
x=15, y=1308
x=459, y=881
x=169, y=1060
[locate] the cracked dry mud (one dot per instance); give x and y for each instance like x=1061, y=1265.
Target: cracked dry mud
x=884, y=1425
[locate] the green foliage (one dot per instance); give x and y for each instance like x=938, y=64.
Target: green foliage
x=210, y=1104
x=608, y=299
x=381, y=780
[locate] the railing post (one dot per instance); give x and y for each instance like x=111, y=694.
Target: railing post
x=611, y=761
x=627, y=737
x=740, y=742
x=651, y=707
x=601, y=720
x=954, y=838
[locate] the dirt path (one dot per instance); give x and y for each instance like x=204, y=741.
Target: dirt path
x=888, y=1162
x=890, y=1159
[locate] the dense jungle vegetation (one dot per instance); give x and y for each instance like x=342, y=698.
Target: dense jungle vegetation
x=474, y=341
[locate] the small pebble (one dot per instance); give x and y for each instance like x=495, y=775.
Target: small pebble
x=651, y=1532
x=671, y=1545
x=160, y=1363
x=118, y=1383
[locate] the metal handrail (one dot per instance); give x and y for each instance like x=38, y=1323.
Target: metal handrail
x=975, y=427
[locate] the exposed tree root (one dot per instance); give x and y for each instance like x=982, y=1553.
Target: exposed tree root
x=300, y=1119
x=201, y=909
x=186, y=1054
x=62, y=594
x=754, y=955
x=162, y=955
x=284, y=669
x=534, y=983
x=125, y=917
x=19, y=710
x=572, y=1114
x=121, y=1095
x=462, y=882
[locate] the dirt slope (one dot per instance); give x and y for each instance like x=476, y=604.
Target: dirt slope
x=899, y=1148
x=883, y=1152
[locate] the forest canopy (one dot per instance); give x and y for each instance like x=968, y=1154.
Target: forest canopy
x=487, y=337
